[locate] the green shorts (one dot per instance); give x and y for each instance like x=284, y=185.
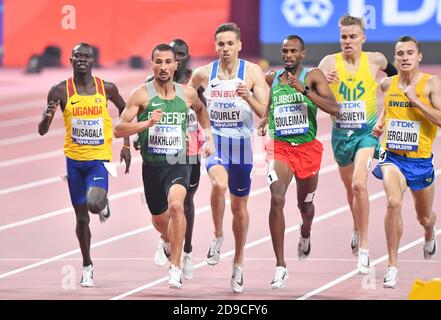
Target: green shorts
x=345, y=146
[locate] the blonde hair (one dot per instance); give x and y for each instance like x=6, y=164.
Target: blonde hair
x=348, y=20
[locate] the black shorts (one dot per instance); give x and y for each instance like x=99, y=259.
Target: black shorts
x=195, y=174
x=158, y=179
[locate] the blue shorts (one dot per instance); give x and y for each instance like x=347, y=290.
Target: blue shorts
x=236, y=155
x=82, y=175
x=419, y=172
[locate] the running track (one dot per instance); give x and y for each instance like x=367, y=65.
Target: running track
x=39, y=255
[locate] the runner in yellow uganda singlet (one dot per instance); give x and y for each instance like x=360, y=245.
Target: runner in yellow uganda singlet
x=88, y=124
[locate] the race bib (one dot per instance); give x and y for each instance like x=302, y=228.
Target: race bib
x=225, y=115
x=192, y=122
x=382, y=155
x=165, y=139
x=402, y=135
x=87, y=131
x=291, y=119
x=351, y=115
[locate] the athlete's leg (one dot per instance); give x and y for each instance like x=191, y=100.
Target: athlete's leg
x=394, y=184
x=305, y=195
x=176, y=226
x=160, y=222
x=423, y=199
x=360, y=202
x=346, y=174
x=240, y=226
x=82, y=231
x=219, y=183
x=281, y=174
x=78, y=193
x=97, y=184
x=96, y=199
x=189, y=205
x=189, y=216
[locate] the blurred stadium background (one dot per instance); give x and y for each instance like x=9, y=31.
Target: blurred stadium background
x=125, y=32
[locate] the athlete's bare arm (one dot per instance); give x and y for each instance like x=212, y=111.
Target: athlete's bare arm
x=113, y=95
x=55, y=98
x=199, y=79
x=261, y=129
x=136, y=102
x=377, y=61
x=320, y=94
x=202, y=116
x=259, y=99
x=433, y=92
x=327, y=65
x=378, y=129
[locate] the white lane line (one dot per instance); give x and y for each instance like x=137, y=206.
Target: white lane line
x=63, y=211
x=345, y=260
x=94, y=245
x=322, y=217
x=39, y=156
x=55, y=213
x=122, y=236
x=34, y=184
x=355, y=272
x=54, y=179
x=137, y=159
x=30, y=137
x=11, y=107
x=268, y=238
x=39, y=103
x=20, y=121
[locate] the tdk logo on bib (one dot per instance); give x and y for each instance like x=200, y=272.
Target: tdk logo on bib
x=224, y=105
x=295, y=108
x=351, y=105
x=166, y=128
x=307, y=13
x=402, y=124
x=89, y=122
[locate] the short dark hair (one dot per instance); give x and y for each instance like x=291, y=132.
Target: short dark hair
x=228, y=26
x=164, y=47
x=348, y=20
x=408, y=39
x=293, y=37
x=83, y=44
x=180, y=42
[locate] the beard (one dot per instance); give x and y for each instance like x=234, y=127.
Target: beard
x=292, y=69
x=163, y=80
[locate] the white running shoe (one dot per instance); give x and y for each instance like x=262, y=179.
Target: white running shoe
x=280, y=276
x=175, y=277
x=363, y=264
x=187, y=269
x=390, y=277
x=304, y=248
x=87, y=278
x=237, y=279
x=429, y=248
x=213, y=255
x=354, y=243
x=105, y=213
x=162, y=254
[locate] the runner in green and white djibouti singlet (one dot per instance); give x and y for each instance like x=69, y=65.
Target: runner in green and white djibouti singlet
x=294, y=117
